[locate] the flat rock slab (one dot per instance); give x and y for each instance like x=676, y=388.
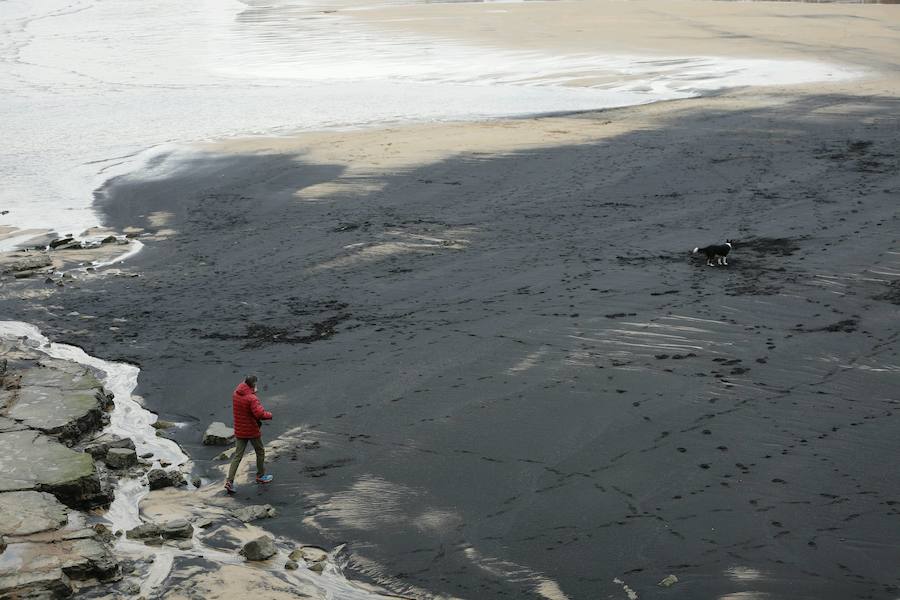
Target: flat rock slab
x=59, y=399
x=24, y=513
x=30, y=460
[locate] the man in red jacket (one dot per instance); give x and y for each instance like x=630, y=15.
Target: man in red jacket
x=248, y=416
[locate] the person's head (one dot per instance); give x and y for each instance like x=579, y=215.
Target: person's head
x=251, y=381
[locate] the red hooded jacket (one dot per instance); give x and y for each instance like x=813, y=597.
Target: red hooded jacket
x=247, y=411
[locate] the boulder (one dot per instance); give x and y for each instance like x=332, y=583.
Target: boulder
x=254, y=512
x=121, y=458
x=261, y=548
x=218, y=434
x=158, y=479
x=176, y=529
x=24, y=513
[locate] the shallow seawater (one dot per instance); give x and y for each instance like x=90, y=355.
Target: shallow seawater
x=92, y=89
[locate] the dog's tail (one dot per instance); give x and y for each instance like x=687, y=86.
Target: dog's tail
x=695, y=250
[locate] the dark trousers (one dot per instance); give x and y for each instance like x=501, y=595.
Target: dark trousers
x=239, y=447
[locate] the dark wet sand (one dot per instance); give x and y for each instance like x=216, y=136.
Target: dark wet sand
x=558, y=394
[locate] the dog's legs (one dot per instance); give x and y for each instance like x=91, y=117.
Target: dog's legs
x=724, y=261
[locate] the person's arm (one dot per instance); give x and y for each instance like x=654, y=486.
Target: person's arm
x=260, y=413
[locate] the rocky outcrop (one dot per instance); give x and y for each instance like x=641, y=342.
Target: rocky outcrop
x=218, y=434
x=46, y=406
x=261, y=548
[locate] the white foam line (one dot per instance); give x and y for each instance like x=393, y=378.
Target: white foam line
x=135, y=247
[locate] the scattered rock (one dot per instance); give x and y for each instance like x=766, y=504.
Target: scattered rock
x=61, y=241
x=121, y=458
x=147, y=455
x=161, y=424
x=317, y=567
x=254, y=512
x=310, y=554
x=203, y=523
x=261, y=548
x=185, y=545
x=110, y=239
x=144, y=531
x=24, y=513
x=668, y=581
x=158, y=479
x=132, y=588
x=176, y=529
x=291, y=565
x=227, y=455
x=218, y=434
x=196, y=481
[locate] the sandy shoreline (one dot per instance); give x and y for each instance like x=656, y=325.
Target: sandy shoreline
x=510, y=308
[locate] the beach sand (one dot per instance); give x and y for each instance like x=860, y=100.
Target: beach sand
x=519, y=381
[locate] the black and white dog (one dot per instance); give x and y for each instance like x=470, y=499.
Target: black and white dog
x=715, y=254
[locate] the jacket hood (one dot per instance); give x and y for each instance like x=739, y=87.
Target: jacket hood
x=243, y=389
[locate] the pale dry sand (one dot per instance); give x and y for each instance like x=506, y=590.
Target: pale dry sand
x=864, y=37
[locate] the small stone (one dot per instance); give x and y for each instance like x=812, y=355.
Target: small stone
x=317, y=567
x=110, y=239
x=196, y=481
x=218, y=434
x=120, y=458
x=668, y=581
x=185, y=545
x=203, y=523
x=147, y=455
x=291, y=565
x=261, y=548
x=161, y=424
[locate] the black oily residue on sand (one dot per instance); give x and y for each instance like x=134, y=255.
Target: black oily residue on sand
x=558, y=392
